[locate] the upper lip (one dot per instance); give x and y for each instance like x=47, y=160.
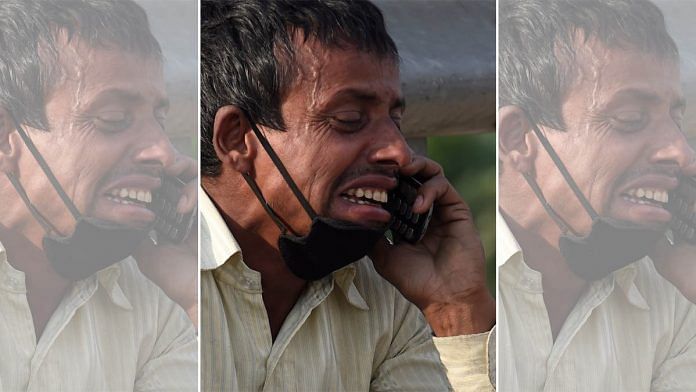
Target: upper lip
x=370, y=181
x=652, y=181
x=134, y=181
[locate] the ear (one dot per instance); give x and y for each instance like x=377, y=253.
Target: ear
x=9, y=143
x=231, y=139
x=516, y=139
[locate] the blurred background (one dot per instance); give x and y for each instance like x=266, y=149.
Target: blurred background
x=447, y=48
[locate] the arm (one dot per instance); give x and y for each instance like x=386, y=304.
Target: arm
x=444, y=275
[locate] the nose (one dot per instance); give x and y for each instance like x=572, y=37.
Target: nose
x=671, y=148
x=153, y=148
x=389, y=147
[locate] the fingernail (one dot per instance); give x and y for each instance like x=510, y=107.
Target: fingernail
x=418, y=202
x=181, y=207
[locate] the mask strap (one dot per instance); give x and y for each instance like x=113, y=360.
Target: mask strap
x=47, y=226
x=566, y=175
x=269, y=210
x=281, y=168
x=560, y=222
x=47, y=170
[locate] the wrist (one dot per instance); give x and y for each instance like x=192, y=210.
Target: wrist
x=471, y=315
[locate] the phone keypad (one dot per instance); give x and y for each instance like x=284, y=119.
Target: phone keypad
x=405, y=224
x=682, y=206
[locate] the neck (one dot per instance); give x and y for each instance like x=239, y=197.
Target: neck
x=257, y=235
x=255, y=232
x=561, y=287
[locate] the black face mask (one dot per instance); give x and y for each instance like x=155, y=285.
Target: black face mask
x=609, y=246
x=94, y=244
x=329, y=245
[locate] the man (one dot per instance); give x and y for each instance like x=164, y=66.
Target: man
x=301, y=108
x=591, y=149
x=83, y=152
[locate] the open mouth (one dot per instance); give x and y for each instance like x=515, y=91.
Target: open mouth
x=648, y=196
x=131, y=196
x=362, y=196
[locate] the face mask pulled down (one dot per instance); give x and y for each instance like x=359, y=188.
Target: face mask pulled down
x=94, y=244
x=609, y=246
x=330, y=244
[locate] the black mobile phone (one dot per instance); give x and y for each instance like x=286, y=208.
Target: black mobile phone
x=169, y=224
x=681, y=203
x=405, y=224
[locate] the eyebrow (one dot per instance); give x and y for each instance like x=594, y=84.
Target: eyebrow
x=645, y=96
x=365, y=96
x=126, y=96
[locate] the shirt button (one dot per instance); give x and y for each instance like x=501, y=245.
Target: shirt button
x=248, y=283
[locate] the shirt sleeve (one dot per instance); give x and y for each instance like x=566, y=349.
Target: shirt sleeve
x=676, y=372
x=469, y=360
x=412, y=362
x=172, y=362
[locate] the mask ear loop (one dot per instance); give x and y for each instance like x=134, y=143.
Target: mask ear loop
x=560, y=222
x=269, y=210
x=564, y=172
x=281, y=168
x=47, y=226
x=47, y=170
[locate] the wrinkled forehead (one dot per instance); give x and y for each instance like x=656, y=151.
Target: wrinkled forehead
x=81, y=67
x=598, y=73
x=324, y=71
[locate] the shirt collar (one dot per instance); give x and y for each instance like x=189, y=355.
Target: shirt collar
x=218, y=246
x=507, y=245
x=512, y=255
x=14, y=280
x=217, y=243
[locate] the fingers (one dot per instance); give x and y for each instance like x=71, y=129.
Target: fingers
x=189, y=198
x=185, y=168
x=436, y=188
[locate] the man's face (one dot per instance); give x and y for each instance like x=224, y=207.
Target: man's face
x=106, y=142
x=343, y=145
x=623, y=143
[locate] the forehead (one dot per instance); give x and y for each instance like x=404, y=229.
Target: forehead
x=85, y=73
x=328, y=73
x=602, y=76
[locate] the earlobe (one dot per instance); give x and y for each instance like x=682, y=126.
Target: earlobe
x=516, y=142
x=231, y=139
x=9, y=143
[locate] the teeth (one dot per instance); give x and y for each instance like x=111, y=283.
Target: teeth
x=378, y=195
x=658, y=195
x=141, y=195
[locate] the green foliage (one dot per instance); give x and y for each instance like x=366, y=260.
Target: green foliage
x=469, y=164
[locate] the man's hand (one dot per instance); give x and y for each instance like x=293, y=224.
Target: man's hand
x=443, y=274
x=677, y=263
x=174, y=267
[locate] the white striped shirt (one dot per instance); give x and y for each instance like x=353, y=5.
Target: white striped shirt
x=632, y=331
x=114, y=331
x=351, y=331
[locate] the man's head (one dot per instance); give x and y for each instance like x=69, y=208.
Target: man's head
x=321, y=80
x=84, y=79
x=601, y=81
